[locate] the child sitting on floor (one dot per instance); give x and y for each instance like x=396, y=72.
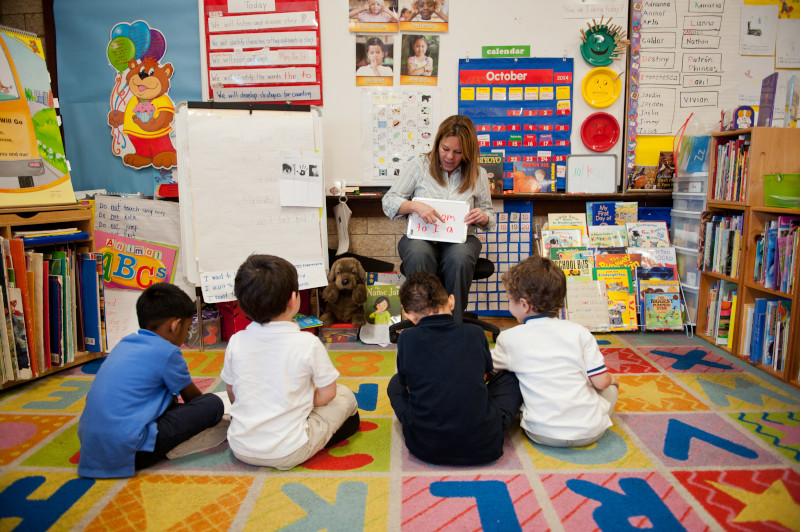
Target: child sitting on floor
x=285, y=403
x=448, y=412
x=568, y=394
x=132, y=418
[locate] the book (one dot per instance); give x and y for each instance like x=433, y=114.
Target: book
x=18, y=262
x=56, y=319
x=770, y=321
x=306, y=322
x=665, y=171
x=587, y=304
x=493, y=164
x=567, y=220
x=559, y=238
x=662, y=311
x=747, y=330
x=383, y=304
x=647, y=234
x=534, y=177
x=9, y=342
x=601, y=212
x=658, y=262
x=45, y=278
x=627, y=211
x=766, y=103
x=724, y=322
x=24, y=360
x=562, y=253
x=621, y=310
x=35, y=261
x=578, y=266
x=617, y=279
x=605, y=236
x=90, y=301
x=642, y=178
x=782, y=319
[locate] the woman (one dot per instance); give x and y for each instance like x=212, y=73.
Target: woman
x=451, y=172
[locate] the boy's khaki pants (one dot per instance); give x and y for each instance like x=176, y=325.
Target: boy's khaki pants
x=323, y=422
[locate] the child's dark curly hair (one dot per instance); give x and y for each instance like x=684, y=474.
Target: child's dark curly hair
x=423, y=293
x=263, y=286
x=538, y=281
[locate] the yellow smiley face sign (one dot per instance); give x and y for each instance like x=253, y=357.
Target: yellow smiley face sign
x=601, y=87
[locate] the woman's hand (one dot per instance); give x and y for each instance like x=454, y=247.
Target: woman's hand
x=427, y=213
x=476, y=217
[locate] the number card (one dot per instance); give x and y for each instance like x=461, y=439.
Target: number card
x=453, y=229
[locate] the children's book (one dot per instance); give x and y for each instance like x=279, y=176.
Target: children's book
x=90, y=301
x=662, y=311
x=534, y=177
x=24, y=363
x=56, y=318
x=747, y=331
x=661, y=263
x=666, y=170
x=724, y=322
x=601, y=212
x=306, y=322
x=617, y=279
x=17, y=248
x=493, y=164
x=621, y=310
x=605, y=236
x=383, y=304
x=648, y=234
x=567, y=220
x=577, y=267
x=627, y=211
x=560, y=238
x=559, y=253
x=8, y=342
x=770, y=324
x=642, y=178
x=654, y=286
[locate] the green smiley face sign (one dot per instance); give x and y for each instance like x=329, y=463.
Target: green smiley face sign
x=602, y=44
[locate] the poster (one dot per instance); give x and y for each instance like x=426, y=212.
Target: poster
x=33, y=168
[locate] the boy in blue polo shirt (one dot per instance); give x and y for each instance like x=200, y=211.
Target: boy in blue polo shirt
x=132, y=418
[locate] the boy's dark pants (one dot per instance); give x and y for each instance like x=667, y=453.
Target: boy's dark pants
x=179, y=423
x=503, y=392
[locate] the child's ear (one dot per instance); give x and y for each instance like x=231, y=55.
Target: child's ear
x=451, y=302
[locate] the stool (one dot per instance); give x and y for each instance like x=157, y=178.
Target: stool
x=484, y=269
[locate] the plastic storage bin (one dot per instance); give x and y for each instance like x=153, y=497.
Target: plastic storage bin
x=690, y=298
x=684, y=201
x=685, y=230
x=782, y=190
x=687, y=267
x=692, y=183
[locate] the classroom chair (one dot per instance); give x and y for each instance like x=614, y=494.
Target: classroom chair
x=484, y=269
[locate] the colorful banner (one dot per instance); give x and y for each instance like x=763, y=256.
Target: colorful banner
x=131, y=264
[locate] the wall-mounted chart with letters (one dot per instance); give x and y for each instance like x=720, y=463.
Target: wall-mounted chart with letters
x=522, y=108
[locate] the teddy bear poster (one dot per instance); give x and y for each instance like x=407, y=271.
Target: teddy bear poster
x=141, y=111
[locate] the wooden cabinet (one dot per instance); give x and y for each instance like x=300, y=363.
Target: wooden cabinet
x=771, y=150
x=50, y=218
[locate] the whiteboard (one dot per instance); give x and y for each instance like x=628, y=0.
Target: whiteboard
x=452, y=229
x=230, y=158
x=551, y=29
x=592, y=174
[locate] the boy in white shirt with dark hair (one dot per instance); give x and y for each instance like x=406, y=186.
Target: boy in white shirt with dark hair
x=567, y=392
x=285, y=402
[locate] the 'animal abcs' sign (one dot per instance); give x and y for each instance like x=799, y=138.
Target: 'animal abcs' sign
x=132, y=264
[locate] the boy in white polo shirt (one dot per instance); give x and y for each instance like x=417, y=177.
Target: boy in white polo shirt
x=285, y=403
x=567, y=392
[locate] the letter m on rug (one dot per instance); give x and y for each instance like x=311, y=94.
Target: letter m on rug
x=742, y=389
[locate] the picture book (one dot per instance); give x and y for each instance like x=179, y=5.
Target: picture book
x=534, y=177
x=648, y=234
x=757, y=340
x=642, y=178
x=617, y=279
x=783, y=318
x=24, y=367
x=770, y=324
x=90, y=300
x=627, y=211
x=383, y=304
x=580, y=268
x=580, y=252
x=611, y=260
x=17, y=249
x=560, y=238
x=605, y=236
x=571, y=220
x=654, y=286
x=661, y=263
x=601, y=212
x=9, y=351
x=587, y=304
x=621, y=310
x=493, y=164
x=665, y=171
x=662, y=311
x=724, y=322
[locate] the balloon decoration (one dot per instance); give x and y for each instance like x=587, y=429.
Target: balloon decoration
x=134, y=41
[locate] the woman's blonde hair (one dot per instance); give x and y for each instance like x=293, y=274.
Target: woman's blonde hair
x=462, y=127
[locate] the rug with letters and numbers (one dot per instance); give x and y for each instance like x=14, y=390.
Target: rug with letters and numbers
x=700, y=442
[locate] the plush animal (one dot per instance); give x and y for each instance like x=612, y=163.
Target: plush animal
x=148, y=115
x=345, y=294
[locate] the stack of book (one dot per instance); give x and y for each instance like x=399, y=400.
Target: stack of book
x=776, y=254
x=721, y=313
x=53, y=304
x=629, y=269
x=720, y=239
x=766, y=331
x=730, y=173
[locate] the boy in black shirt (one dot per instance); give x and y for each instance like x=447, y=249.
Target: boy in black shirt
x=449, y=414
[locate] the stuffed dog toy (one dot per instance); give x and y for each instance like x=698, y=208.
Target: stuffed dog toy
x=345, y=294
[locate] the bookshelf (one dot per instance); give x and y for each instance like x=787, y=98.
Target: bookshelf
x=771, y=150
x=50, y=218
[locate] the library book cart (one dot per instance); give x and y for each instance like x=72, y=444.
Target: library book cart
x=739, y=162
x=52, y=218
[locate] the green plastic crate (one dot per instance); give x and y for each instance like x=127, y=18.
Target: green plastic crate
x=782, y=190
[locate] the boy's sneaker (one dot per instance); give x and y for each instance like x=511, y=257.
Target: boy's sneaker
x=207, y=439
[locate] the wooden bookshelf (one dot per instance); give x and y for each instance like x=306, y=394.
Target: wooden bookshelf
x=772, y=150
x=43, y=218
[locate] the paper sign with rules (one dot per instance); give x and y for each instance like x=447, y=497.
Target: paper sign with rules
x=453, y=229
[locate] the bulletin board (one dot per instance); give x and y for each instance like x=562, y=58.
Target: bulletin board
x=548, y=29
x=684, y=61
x=230, y=159
x=265, y=51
